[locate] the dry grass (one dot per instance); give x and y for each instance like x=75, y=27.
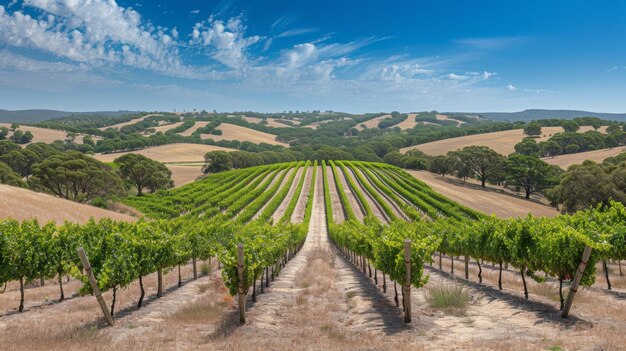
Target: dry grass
x=450, y=298
x=408, y=123
x=565, y=161
x=235, y=132
x=184, y=174
x=21, y=204
x=372, y=123
x=502, y=142
x=271, y=122
x=133, y=121
x=164, y=128
x=489, y=202
x=199, y=312
x=46, y=135
x=180, y=152
x=446, y=118
x=196, y=126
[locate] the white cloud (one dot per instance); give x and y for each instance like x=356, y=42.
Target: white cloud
x=225, y=41
x=20, y=71
x=194, y=12
x=511, y=87
x=491, y=43
x=97, y=32
x=455, y=76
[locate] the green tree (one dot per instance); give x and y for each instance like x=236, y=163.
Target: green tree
x=7, y=146
x=528, y=147
x=441, y=165
x=143, y=172
x=217, y=161
x=550, y=148
x=77, y=177
x=596, y=123
x=88, y=140
x=613, y=127
x=484, y=163
x=4, y=131
x=583, y=186
x=9, y=177
x=529, y=173
x=570, y=126
x=532, y=129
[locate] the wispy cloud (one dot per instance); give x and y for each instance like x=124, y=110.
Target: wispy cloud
x=492, y=42
x=88, y=38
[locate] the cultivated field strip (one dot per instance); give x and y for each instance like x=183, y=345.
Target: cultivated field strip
x=370, y=205
x=337, y=211
x=349, y=200
x=298, y=212
x=300, y=174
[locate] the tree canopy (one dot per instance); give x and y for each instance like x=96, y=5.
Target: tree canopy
x=7, y=176
x=217, y=161
x=143, y=172
x=532, y=129
x=482, y=162
x=530, y=173
x=77, y=177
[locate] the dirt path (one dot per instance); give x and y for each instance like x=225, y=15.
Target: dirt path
x=354, y=202
x=338, y=215
x=376, y=208
x=280, y=211
x=277, y=191
x=298, y=213
x=394, y=206
x=317, y=296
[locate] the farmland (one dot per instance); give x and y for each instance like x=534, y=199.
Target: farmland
x=44, y=135
x=502, y=142
x=331, y=277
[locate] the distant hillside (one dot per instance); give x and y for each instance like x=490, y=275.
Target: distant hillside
x=33, y=116
x=528, y=115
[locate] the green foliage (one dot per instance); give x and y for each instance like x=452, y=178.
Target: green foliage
x=217, y=161
x=530, y=173
x=143, y=172
x=481, y=161
x=532, y=129
x=9, y=177
x=75, y=176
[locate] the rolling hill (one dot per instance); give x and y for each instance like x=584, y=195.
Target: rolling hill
x=39, y=115
x=531, y=114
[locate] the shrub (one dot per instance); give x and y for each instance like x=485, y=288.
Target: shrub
x=448, y=297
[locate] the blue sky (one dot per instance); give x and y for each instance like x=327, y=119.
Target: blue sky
x=354, y=56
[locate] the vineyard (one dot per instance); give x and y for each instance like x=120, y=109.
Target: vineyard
x=391, y=226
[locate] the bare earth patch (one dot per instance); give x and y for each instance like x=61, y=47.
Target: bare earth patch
x=488, y=202
x=180, y=152
x=502, y=142
x=408, y=123
x=235, y=132
x=22, y=204
x=184, y=174
x=565, y=161
x=372, y=123
x=45, y=135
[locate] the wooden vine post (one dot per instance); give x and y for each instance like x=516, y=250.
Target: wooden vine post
x=466, y=267
x=407, y=287
x=240, y=290
x=94, y=286
x=576, y=282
